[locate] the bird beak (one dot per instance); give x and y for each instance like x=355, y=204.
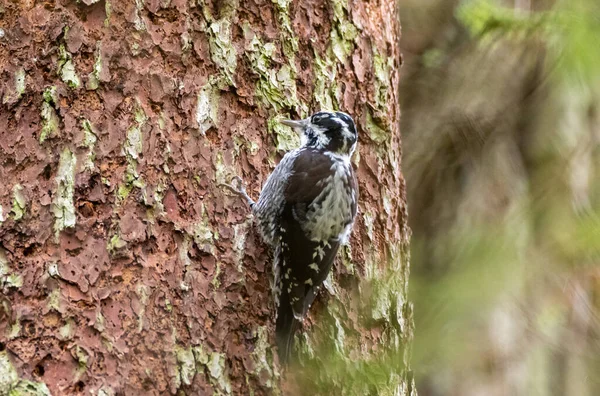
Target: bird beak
x=298, y=126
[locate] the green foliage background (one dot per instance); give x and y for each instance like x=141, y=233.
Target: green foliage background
x=501, y=124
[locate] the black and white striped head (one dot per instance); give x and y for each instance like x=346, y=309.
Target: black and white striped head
x=328, y=131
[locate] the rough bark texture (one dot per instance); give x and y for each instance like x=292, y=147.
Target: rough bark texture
x=124, y=267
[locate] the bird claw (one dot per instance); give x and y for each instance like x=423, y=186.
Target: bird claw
x=239, y=182
x=237, y=187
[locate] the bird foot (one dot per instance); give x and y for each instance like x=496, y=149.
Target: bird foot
x=237, y=187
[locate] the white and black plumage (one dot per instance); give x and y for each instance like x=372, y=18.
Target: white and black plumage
x=305, y=212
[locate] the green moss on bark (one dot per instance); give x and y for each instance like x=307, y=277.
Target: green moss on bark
x=115, y=243
x=275, y=88
x=383, y=67
x=286, y=138
x=344, y=32
x=325, y=92
x=289, y=40
x=376, y=132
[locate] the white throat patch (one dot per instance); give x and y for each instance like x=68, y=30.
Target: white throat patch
x=322, y=139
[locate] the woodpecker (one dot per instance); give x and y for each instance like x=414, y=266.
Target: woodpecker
x=305, y=211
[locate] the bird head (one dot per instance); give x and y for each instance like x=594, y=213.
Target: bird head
x=332, y=131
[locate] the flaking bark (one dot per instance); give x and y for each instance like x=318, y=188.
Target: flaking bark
x=124, y=267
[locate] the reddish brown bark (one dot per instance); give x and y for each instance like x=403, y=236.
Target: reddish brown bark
x=126, y=269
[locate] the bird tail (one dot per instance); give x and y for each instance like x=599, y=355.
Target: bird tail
x=286, y=326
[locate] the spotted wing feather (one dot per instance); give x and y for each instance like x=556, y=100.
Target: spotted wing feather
x=305, y=261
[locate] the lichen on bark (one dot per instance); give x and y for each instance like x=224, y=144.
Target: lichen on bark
x=8, y=278
x=325, y=92
x=50, y=120
x=290, y=41
x=13, y=96
x=66, y=68
x=344, y=32
x=18, y=203
x=94, y=77
x=275, y=88
x=132, y=149
x=151, y=275
x=90, y=137
x=222, y=51
x=12, y=385
x=63, y=207
x=207, y=106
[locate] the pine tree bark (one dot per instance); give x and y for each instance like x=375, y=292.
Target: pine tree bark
x=125, y=268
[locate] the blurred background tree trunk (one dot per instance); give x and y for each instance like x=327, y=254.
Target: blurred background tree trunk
x=124, y=267
x=501, y=132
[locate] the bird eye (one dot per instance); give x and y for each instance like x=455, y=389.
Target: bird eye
x=316, y=119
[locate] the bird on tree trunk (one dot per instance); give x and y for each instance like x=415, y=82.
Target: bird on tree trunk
x=305, y=211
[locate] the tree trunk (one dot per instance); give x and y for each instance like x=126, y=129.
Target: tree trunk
x=125, y=268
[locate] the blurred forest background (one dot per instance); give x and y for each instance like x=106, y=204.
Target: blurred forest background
x=501, y=132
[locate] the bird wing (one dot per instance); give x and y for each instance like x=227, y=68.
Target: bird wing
x=305, y=263
x=301, y=263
